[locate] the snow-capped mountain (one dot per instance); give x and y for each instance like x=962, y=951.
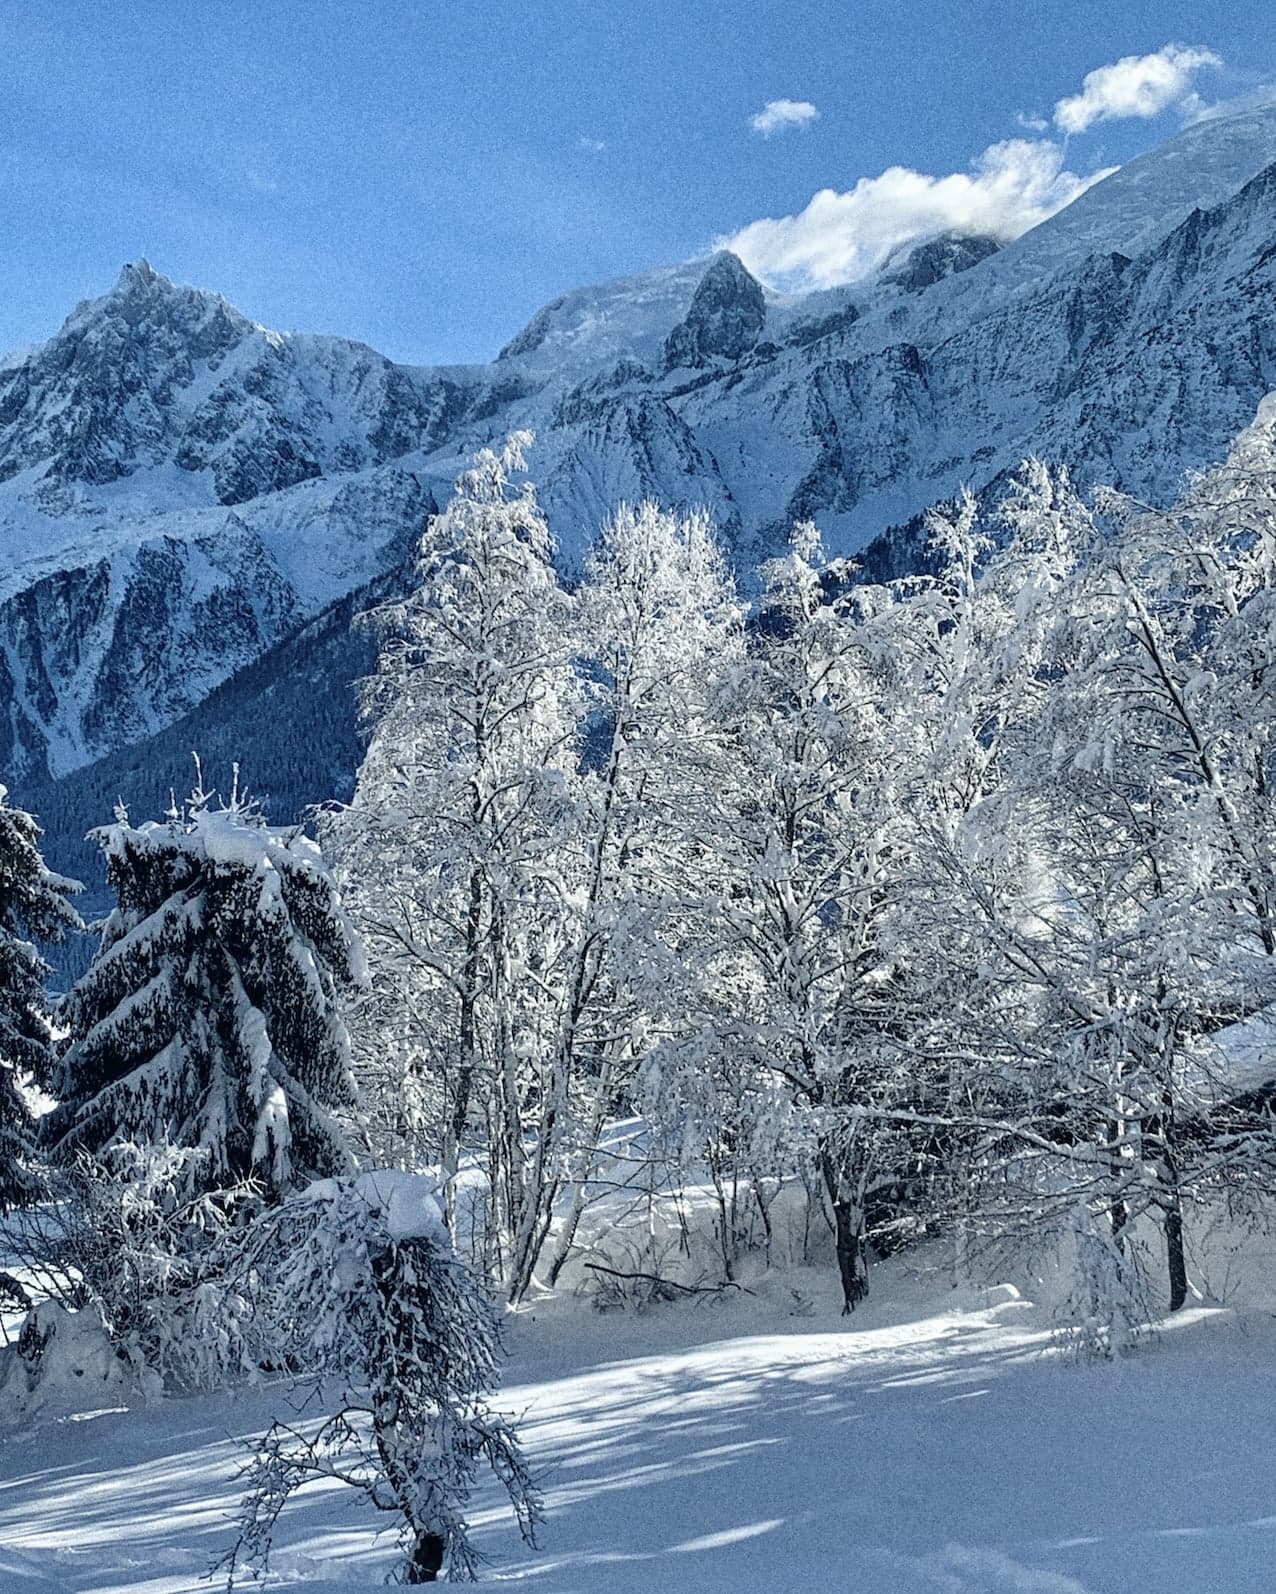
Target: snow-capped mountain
x=182, y=489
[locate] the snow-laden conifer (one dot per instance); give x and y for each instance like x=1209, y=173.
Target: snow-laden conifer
x=355, y=1280
x=33, y=906
x=210, y=1017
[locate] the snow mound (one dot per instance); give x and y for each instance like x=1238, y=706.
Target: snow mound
x=64, y=1365
x=409, y=1204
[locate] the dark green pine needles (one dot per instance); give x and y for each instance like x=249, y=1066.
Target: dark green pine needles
x=33, y=906
x=210, y=1017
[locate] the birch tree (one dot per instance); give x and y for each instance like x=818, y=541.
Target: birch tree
x=454, y=845
x=660, y=631
x=798, y=990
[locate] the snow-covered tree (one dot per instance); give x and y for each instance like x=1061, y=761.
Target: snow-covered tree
x=1101, y=907
x=453, y=844
x=355, y=1280
x=126, y=1243
x=210, y=1018
x=33, y=904
x=1159, y=798
x=660, y=630
x=967, y=648
x=795, y=988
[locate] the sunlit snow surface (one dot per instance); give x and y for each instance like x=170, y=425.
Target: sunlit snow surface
x=926, y=1446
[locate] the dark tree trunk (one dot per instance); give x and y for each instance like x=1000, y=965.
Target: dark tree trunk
x=1175, y=1255
x=427, y=1558
x=848, y=1234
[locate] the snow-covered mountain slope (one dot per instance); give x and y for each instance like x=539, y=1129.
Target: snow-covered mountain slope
x=153, y=374
x=1142, y=201
x=119, y=633
x=180, y=488
x=628, y=317
x=288, y=719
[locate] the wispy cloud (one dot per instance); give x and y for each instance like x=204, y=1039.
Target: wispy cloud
x=592, y=146
x=844, y=237
x=778, y=116
x=1198, y=111
x=1136, y=85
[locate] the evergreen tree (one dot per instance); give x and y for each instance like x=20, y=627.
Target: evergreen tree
x=209, y=1018
x=33, y=903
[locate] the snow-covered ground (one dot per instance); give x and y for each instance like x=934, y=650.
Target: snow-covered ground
x=932, y=1444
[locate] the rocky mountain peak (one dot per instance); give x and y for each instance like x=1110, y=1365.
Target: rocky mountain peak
x=937, y=258
x=725, y=319
x=1129, y=337
x=139, y=276
x=144, y=297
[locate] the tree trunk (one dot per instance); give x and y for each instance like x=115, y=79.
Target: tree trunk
x=426, y=1560
x=467, y=1047
x=726, y=1225
x=1176, y=1255
x=848, y=1232
x=583, y=1169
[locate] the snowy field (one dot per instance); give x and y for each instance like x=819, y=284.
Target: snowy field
x=932, y=1444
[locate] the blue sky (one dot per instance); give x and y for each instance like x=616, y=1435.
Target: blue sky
x=424, y=175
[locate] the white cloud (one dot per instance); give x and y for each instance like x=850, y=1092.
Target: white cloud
x=844, y=237
x=594, y=146
x=777, y=116
x=1136, y=85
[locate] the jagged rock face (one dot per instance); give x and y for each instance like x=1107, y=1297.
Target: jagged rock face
x=98, y=399
x=941, y=257
x=155, y=374
x=100, y=655
x=725, y=320
x=1130, y=337
x=632, y=448
x=1128, y=371
x=826, y=326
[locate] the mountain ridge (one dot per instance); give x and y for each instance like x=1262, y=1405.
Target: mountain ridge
x=181, y=489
